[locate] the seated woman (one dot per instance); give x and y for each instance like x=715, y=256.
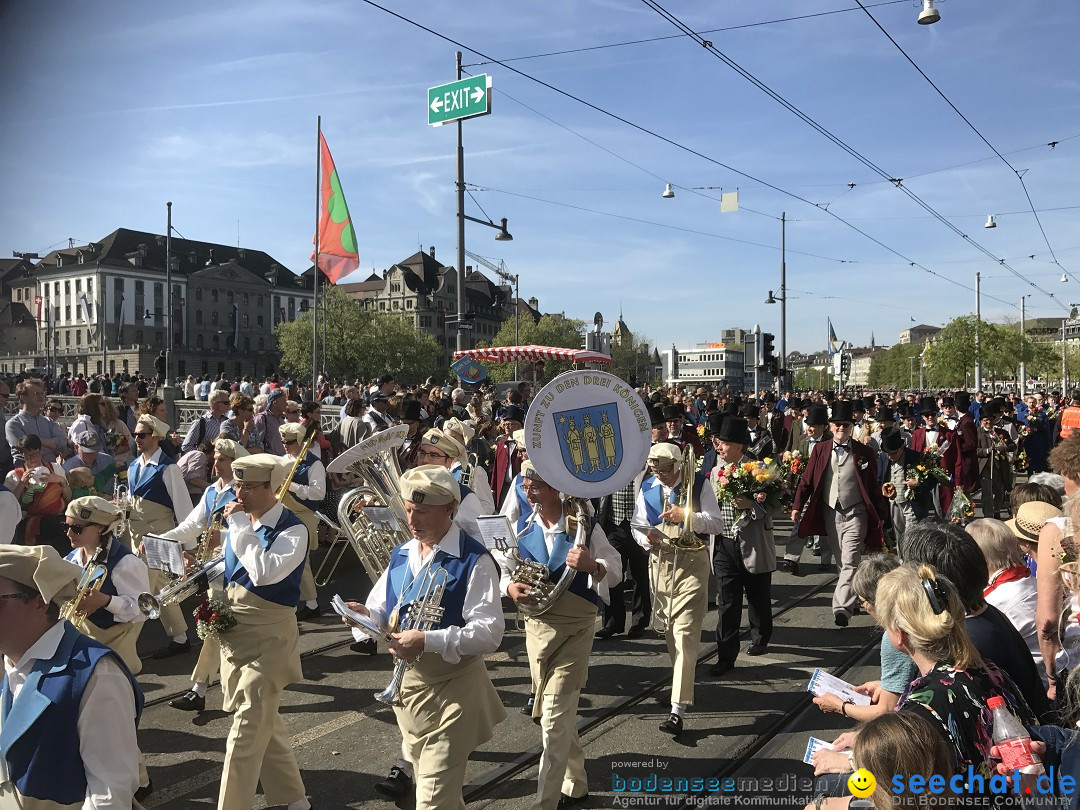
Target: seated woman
x=897, y=669
x=42, y=490
x=924, y=617
x=901, y=744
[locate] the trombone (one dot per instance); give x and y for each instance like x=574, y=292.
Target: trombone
x=283, y=490
x=91, y=580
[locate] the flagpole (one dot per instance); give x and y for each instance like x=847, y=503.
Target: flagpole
x=315, y=301
x=104, y=326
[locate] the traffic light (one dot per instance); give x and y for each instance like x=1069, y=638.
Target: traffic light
x=768, y=352
x=845, y=364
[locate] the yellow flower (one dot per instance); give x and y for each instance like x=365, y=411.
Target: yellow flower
x=768, y=461
x=921, y=467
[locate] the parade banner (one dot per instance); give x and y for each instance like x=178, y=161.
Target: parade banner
x=468, y=370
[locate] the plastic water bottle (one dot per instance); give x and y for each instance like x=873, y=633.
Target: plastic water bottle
x=1013, y=741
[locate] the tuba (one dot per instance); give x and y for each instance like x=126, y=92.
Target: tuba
x=544, y=592
x=91, y=580
x=175, y=593
x=374, y=462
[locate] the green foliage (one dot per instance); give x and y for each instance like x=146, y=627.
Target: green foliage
x=894, y=368
x=812, y=379
x=551, y=330
x=632, y=359
x=359, y=343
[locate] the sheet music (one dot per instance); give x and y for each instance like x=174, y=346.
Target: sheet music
x=163, y=555
x=496, y=532
x=823, y=683
x=362, y=622
x=382, y=518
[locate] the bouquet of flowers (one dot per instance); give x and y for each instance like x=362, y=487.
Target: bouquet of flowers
x=115, y=442
x=962, y=510
x=761, y=481
x=701, y=431
x=792, y=463
x=1021, y=463
x=926, y=470
x=213, y=617
x=1023, y=431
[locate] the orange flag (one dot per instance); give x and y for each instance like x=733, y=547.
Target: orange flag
x=336, y=238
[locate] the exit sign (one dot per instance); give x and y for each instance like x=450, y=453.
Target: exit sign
x=455, y=101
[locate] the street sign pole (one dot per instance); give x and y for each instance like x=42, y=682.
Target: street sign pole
x=463, y=339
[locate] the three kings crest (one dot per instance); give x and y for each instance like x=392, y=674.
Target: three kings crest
x=590, y=441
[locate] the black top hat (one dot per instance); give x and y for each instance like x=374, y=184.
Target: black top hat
x=989, y=410
x=656, y=415
x=869, y=400
x=734, y=430
x=885, y=414
x=963, y=400
x=842, y=411
x=712, y=405
x=512, y=413
x=928, y=407
x=948, y=402
x=891, y=441
x=857, y=405
x=905, y=411
x=750, y=412
x=817, y=415
x=410, y=410
x=673, y=412
x=796, y=403
x=713, y=423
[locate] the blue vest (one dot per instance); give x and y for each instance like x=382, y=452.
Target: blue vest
x=524, y=507
x=287, y=591
x=531, y=546
x=652, y=493
x=214, y=501
x=301, y=477
x=40, y=739
x=151, y=483
x=117, y=551
x=459, y=570
x=464, y=491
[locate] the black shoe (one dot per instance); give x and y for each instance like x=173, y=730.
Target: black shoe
x=572, y=801
x=721, y=668
x=791, y=566
x=367, y=646
x=673, y=725
x=304, y=613
x=396, y=784
x=636, y=631
x=840, y=619
x=757, y=649
x=605, y=633
x=527, y=709
x=174, y=648
x=190, y=701
x=145, y=791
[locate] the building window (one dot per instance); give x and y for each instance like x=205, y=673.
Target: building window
x=213, y=317
x=215, y=342
x=198, y=317
x=304, y=305
x=262, y=344
x=258, y=320
x=245, y=318
x=67, y=288
x=67, y=314
x=259, y=300
x=408, y=304
x=382, y=306
x=56, y=289
x=139, y=336
x=90, y=286
x=214, y=296
x=245, y=299
x=78, y=282
x=198, y=341
x=138, y=288
x=247, y=344
x=229, y=296
x=198, y=293
x=160, y=338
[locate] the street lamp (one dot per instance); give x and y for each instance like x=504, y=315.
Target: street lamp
x=503, y=235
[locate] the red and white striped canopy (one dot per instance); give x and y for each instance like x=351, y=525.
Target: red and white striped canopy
x=530, y=354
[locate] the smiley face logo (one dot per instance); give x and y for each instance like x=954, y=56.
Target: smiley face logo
x=861, y=783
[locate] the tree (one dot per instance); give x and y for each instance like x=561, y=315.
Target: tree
x=894, y=368
x=551, y=330
x=952, y=355
x=359, y=343
x=632, y=360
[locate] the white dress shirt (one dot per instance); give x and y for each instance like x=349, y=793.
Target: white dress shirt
x=10, y=515
x=192, y=527
x=600, y=549
x=108, y=703
x=174, y=482
x=468, y=511
x=511, y=507
x=315, y=488
x=131, y=578
x=482, y=610
x=480, y=487
x=707, y=521
x=270, y=565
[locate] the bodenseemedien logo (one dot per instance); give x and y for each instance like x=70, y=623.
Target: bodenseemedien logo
x=861, y=783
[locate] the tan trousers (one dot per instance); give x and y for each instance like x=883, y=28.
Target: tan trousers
x=172, y=617
x=562, y=765
x=258, y=751
x=209, y=663
x=307, y=580
x=846, y=534
x=441, y=790
x=683, y=607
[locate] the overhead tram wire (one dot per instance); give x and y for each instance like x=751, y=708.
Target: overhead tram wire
x=964, y=118
x=679, y=36
x=835, y=139
x=680, y=146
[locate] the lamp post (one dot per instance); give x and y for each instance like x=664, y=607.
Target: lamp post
x=168, y=294
x=782, y=380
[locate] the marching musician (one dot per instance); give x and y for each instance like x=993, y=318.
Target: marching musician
x=560, y=639
x=304, y=498
x=448, y=705
x=439, y=449
x=190, y=533
x=463, y=433
x=159, y=501
x=508, y=453
x=743, y=554
x=265, y=547
x=517, y=504
x=681, y=579
x=93, y=702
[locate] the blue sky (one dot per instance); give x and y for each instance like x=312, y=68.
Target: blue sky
x=112, y=108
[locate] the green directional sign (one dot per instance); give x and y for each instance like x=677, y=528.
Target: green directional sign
x=465, y=98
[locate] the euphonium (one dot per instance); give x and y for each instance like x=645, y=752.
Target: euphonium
x=91, y=580
x=422, y=614
x=373, y=461
x=543, y=592
x=181, y=589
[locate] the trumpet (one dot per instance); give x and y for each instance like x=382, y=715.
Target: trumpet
x=198, y=580
x=677, y=538
x=217, y=517
x=424, y=612
x=91, y=580
x=122, y=498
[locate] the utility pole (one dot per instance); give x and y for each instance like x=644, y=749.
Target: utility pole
x=978, y=323
x=460, y=226
x=757, y=357
x=783, y=383
x=1023, y=345
x=168, y=293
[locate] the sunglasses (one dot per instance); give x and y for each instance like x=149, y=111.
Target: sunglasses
x=287, y=442
x=76, y=529
x=142, y=435
x=429, y=454
x=54, y=410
